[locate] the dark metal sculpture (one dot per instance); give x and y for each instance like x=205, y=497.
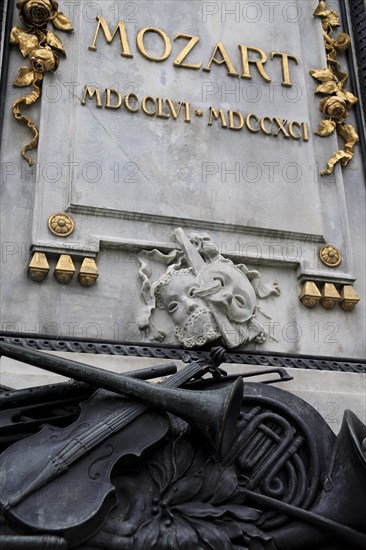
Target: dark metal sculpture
x=274, y=478
x=24, y=412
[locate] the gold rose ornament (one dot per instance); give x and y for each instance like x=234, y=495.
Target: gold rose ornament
x=337, y=101
x=42, y=47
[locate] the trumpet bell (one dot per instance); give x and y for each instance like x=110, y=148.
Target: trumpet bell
x=215, y=413
x=232, y=404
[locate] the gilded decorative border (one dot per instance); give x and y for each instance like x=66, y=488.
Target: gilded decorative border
x=337, y=101
x=42, y=48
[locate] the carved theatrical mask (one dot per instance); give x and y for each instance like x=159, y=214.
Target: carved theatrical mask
x=176, y=294
x=232, y=301
x=228, y=289
x=212, y=298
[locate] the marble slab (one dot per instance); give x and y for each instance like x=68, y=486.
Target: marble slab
x=124, y=174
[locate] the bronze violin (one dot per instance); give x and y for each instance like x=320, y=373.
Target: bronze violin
x=58, y=480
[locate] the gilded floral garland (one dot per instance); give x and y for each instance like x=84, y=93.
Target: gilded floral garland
x=337, y=101
x=42, y=47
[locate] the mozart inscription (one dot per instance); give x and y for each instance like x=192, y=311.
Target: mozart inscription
x=251, y=59
x=206, y=120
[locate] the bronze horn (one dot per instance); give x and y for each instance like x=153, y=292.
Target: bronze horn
x=344, y=496
x=339, y=514
x=213, y=412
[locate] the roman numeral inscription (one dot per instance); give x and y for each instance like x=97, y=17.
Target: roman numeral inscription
x=170, y=109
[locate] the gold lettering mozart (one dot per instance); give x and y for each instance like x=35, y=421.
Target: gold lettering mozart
x=248, y=60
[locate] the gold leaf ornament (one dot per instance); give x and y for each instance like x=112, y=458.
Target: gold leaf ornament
x=321, y=9
x=61, y=22
x=27, y=43
x=25, y=77
x=40, y=46
x=337, y=101
x=349, y=97
x=327, y=88
x=349, y=134
x=54, y=41
x=332, y=19
x=326, y=128
x=14, y=34
x=323, y=75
